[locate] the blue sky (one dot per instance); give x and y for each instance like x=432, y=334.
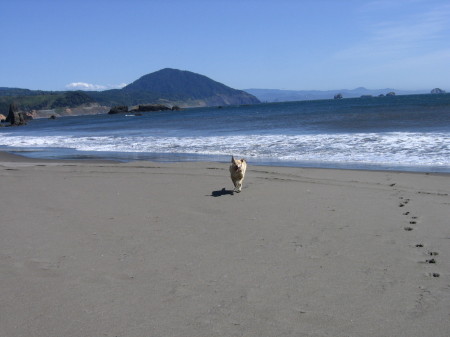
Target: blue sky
x=282, y=44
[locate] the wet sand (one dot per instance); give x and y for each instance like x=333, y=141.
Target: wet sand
x=154, y=249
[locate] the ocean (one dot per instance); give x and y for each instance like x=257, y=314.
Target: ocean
x=405, y=133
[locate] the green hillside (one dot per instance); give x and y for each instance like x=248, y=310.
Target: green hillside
x=41, y=100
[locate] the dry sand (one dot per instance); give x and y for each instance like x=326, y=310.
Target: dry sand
x=151, y=249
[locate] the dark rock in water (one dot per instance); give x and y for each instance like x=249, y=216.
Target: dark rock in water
x=390, y=93
x=52, y=117
x=15, y=117
x=437, y=91
x=176, y=108
x=153, y=107
x=338, y=96
x=118, y=109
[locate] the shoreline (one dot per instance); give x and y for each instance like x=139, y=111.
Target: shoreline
x=10, y=156
x=130, y=249
x=195, y=158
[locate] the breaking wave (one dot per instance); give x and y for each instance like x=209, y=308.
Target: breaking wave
x=404, y=148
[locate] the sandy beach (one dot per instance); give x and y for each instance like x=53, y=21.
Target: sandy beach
x=156, y=249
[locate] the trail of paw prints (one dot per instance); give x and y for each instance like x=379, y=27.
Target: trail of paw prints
x=431, y=256
x=430, y=259
x=403, y=202
x=412, y=219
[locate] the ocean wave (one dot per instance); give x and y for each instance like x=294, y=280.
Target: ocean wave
x=406, y=148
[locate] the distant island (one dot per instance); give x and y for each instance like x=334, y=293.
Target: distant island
x=438, y=91
x=168, y=87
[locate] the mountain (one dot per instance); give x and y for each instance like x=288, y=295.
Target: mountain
x=276, y=95
x=166, y=86
x=175, y=86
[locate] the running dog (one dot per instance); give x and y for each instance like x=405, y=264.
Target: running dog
x=237, y=172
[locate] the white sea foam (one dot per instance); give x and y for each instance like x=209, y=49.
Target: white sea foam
x=371, y=148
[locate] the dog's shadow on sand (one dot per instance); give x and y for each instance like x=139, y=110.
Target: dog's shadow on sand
x=222, y=192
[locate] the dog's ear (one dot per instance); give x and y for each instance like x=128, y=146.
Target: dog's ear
x=243, y=160
x=233, y=160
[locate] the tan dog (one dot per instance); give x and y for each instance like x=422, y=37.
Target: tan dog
x=237, y=171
